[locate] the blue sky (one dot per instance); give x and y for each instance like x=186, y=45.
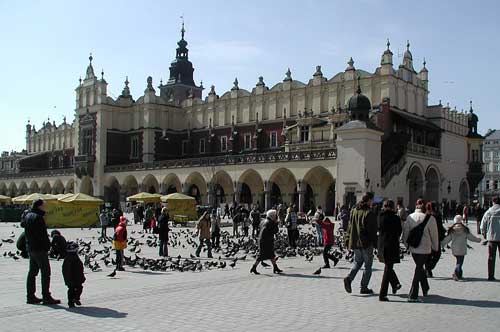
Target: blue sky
x=46, y=44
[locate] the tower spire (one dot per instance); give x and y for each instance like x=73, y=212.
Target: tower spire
x=182, y=28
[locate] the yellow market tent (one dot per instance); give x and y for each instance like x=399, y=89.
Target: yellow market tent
x=5, y=199
x=144, y=197
x=28, y=199
x=81, y=199
x=180, y=206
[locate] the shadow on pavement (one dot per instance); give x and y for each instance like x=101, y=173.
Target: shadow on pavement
x=97, y=312
x=438, y=299
x=297, y=275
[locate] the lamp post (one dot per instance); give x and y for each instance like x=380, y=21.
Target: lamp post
x=449, y=187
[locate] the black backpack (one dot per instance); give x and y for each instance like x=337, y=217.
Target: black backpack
x=416, y=234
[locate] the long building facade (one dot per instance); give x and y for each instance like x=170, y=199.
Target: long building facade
x=324, y=141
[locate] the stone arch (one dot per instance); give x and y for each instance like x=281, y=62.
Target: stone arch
x=415, y=179
x=171, y=184
x=196, y=187
x=70, y=187
x=320, y=184
x=23, y=188
x=222, y=189
x=58, y=187
x=464, y=191
x=86, y=187
x=255, y=184
x=45, y=188
x=3, y=189
x=34, y=188
x=283, y=187
x=112, y=191
x=432, y=183
x=150, y=184
x=12, y=192
x=130, y=186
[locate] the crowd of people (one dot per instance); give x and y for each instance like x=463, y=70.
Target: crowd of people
x=368, y=231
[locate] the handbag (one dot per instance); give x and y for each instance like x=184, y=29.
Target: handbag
x=416, y=234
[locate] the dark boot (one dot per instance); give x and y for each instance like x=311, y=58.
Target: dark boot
x=32, y=299
x=254, y=270
x=49, y=300
x=276, y=269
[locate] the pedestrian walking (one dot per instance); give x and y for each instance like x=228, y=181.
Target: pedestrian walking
x=245, y=222
x=465, y=214
x=421, y=236
x=361, y=237
x=148, y=216
x=203, y=232
x=226, y=211
x=269, y=229
x=390, y=230
x=319, y=231
x=236, y=222
x=163, y=230
x=490, y=228
x=458, y=235
x=435, y=255
x=104, y=220
x=215, y=228
x=344, y=217
x=255, y=215
x=38, y=246
x=72, y=269
x=120, y=242
x=291, y=226
x=328, y=227
x=479, y=212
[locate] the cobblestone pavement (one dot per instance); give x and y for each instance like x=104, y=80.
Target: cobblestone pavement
x=234, y=300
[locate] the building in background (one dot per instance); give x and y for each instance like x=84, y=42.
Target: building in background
x=324, y=141
x=490, y=186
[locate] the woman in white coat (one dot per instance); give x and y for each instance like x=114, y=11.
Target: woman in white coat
x=428, y=243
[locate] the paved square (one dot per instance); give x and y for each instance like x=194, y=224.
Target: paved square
x=231, y=299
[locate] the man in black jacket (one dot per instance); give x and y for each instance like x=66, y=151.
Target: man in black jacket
x=38, y=245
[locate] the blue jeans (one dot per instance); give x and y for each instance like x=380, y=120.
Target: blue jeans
x=319, y=230
x=362, y=256
x=458, y=268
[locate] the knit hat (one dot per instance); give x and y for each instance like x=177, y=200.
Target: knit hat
x=37, y=203
x=71, y=246
x=272, y=214
x=458, y=219
x=54, y=233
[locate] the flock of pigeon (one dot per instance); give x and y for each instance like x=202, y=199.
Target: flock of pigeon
x=231, y=251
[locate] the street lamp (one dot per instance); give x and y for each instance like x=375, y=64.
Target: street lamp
x=449, y=187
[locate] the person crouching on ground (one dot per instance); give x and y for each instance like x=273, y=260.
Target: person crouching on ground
x=388, y=251
x=58, y=245
x=269, y=228
x=120, y=242
x=327, y=227
x=458, y=234
x=72, y=269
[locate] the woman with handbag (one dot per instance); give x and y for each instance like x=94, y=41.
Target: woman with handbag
x=389, y=233
x=420, y=233
x=120, y=242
